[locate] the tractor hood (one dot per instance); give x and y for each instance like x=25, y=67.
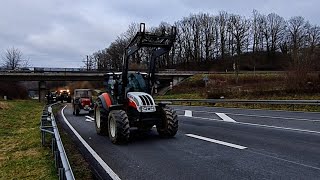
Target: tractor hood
x=143, y=102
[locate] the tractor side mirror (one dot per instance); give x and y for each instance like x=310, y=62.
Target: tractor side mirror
x=142, y=27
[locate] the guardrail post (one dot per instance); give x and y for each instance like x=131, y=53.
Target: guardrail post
x=53, y=145
x=61, y=174
x=56, y=159
x=43, y=139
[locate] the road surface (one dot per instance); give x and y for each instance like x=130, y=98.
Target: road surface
x=212, y=143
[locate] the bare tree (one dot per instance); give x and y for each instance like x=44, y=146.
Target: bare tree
x=313, y=37
x=296, y=28
x=13, y=59
x=276, y=26
x=222, y=23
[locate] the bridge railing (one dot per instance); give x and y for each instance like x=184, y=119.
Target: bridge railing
x=48, y=127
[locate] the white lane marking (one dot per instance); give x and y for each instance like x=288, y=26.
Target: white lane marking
x=216, y=141
x=225, y=117
x=285, y=160
x=276, y=117
x=89, y=117
x=246, y=109
x=104, y=165
x=261, y=116
x=260, y=125
x=89, y=120
x=188, y=113
x=204, y=118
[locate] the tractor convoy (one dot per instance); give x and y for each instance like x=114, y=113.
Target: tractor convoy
x=128, y=101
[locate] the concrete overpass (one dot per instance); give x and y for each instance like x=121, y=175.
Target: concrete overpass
x=172, y=76
x=80, y=76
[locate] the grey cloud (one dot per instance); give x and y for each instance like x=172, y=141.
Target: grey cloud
x=60, y=33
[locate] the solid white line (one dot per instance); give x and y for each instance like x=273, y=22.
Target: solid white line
x=104, y=165
x=89, y=120
x=89, y=117
x=225, y=117
x=216, y=141
x=276, y=117
x=188, y=113
x=260, y=125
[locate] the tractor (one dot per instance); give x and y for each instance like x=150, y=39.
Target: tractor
x=128, y=100
x=82, y=99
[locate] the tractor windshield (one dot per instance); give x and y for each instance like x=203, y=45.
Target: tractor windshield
x=137, y=83
x=83, y=94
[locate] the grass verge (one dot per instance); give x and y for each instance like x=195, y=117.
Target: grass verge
x=21, y=153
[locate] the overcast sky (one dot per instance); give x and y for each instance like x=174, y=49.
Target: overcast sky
x=59, y=33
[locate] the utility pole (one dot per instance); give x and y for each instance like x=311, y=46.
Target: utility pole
x=87, y=63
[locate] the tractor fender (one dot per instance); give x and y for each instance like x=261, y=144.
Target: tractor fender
x=106, y=100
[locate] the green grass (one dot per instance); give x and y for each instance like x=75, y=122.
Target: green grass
x=21, y=153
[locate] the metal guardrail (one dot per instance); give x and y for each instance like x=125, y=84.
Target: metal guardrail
x=48, y=126
x=213, y=101
x=289, y=102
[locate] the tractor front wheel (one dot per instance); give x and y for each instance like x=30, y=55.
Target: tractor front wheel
x=119, y=129
x=169, y=123
x=101, y=118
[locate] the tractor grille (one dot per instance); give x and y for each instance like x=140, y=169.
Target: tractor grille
x=146, y=100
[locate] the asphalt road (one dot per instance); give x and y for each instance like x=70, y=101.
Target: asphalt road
x=212, y=143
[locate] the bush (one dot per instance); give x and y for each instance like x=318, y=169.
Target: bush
x=13, y=90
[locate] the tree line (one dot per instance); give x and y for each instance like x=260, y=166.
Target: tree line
x=203, y=38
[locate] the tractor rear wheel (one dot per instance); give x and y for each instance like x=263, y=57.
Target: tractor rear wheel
x=119, y=129
x=169, y=125
x=101, y=118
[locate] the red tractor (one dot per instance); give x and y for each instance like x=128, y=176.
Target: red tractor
x=82, y=100
x=128, y=101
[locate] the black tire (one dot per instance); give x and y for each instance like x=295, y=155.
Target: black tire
x=77, y=110
x=73, y=112
x=169, y=125
x=119, y=128
x=101, y=118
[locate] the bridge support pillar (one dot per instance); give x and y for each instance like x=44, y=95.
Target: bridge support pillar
x=42, y=91
x=176, y=80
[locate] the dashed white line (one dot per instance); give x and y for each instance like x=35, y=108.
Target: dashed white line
x=89, y=117
x=260, y=125
x=104, y=165
x=188, y=113
x=216, y=141
x=225, y=117
x=260, y=116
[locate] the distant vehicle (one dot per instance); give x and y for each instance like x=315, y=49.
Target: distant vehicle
x=64, y=95
x=51, y=97
x=82, y=100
